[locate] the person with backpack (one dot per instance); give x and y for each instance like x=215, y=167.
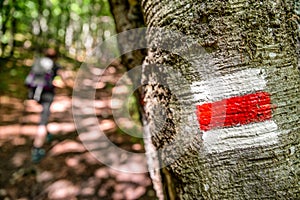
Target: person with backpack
x=40, y=84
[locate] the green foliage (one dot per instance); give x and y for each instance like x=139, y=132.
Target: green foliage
x=74, y=27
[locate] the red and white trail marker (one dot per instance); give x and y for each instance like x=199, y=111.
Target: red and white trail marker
x=234, y=111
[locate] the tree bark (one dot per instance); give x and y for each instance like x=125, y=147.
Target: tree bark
x=238, y=36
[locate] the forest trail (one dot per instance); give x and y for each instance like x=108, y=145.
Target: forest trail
x=69, y=170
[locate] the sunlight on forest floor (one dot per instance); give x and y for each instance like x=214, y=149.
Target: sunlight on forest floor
x=68, y=171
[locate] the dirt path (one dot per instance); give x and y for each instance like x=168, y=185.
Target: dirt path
x=68, y=171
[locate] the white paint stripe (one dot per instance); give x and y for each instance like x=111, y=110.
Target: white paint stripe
x=237, y=84
x=246, y=136
x=237, y=137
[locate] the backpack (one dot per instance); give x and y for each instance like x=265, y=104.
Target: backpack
x=40, y=78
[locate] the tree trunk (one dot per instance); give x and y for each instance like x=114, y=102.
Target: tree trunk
x=249, y=66
x=127, y=15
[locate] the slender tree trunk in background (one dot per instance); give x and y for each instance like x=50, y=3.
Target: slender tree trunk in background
x=250, y=40
x=128, y=15
x=12, y=41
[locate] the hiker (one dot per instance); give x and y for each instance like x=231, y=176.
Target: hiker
x=41, y=89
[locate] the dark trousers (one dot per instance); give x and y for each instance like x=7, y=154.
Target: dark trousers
x=46, y=101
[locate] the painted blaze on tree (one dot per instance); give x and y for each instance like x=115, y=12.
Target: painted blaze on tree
x=231, y=101
x=238, y=111
x=247, y=149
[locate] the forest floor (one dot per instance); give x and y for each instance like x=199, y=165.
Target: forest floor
x=69, y=170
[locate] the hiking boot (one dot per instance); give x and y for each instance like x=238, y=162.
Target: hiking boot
x=49, y=138
x=37, y=154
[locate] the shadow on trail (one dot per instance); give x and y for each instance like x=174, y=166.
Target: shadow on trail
x=68, y=171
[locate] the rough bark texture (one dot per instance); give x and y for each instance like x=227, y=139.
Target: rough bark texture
x=238, y=35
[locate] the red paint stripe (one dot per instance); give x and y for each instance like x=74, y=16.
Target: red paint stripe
x=235, y=111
